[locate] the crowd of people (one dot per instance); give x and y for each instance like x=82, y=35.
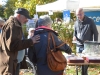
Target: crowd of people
x=14, y=46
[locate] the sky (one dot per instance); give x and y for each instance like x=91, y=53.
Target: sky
x=2, y=1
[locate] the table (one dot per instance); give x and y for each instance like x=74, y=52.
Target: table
x=82, y=64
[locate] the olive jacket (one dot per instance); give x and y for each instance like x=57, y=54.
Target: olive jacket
x=10, y=43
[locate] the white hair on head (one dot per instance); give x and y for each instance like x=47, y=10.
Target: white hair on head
x=44, y=20
x=15, y=13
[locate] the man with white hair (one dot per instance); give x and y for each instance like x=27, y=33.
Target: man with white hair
x=84, y=30
x=39, y=56
x=12, y=41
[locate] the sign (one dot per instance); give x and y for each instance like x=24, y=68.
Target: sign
x=35, y=16
x=50, y=12
x=66, y=15
x=95, y=15
x=30, y=24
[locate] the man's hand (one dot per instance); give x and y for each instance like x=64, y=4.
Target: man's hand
x=35, y=39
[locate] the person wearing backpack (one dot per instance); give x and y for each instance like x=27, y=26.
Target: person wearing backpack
x=38, y=55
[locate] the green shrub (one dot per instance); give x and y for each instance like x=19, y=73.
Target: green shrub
x=25, y=32
x=65, y=31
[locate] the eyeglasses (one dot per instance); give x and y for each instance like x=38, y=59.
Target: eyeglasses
x=79, y=14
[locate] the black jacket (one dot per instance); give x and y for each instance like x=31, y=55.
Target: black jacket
x=85, y=30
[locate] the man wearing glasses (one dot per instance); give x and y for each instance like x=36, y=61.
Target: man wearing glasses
x=84, y=30
x=12, y=42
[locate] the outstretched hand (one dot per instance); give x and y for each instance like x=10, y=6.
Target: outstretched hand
x=35, y=39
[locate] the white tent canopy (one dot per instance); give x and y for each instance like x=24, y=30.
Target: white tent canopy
x=55, y=6
x=58, y=5
x=89, y=3
x=61, y=5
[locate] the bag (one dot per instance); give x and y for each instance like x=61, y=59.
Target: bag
x=55, y=59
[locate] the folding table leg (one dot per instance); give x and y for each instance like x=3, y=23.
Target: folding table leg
x=76, y=70
x=83, y=73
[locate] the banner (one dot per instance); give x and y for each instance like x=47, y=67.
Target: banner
x=95, y=15
x=66, y=15
x=30, y=24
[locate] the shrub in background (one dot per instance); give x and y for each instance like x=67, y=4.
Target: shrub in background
x=65, y=31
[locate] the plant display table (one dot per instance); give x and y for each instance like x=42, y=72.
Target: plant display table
x=76, y=61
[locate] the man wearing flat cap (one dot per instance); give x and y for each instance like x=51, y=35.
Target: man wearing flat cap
x=12, y=41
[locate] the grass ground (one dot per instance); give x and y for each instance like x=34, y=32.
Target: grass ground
x=92, y=70
x=71, y=70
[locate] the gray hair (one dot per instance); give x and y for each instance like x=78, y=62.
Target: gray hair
x=44, y=20
x=15, y=13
